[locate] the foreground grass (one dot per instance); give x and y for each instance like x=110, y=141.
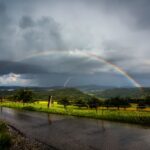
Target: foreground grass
x=5, y=138
x=128, y=116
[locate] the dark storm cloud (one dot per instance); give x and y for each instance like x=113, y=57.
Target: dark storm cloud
x=138, y=9
x=41, y=34
x=116, y=52
x=26, y=22
x=64, y=63
x=141, y=75
x=56, y=79
x=26, y=34
x=5, y=31
x=7, y=67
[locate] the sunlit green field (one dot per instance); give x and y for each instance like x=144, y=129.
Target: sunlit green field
x=130, y=115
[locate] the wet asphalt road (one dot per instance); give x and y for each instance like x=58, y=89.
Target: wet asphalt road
x=72, y=133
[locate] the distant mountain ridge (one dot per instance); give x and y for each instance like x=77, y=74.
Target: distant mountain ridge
x=122, y=92
x=92, y=88
x=85, y=88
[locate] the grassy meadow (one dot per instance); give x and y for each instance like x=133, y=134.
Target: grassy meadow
x=128, y=115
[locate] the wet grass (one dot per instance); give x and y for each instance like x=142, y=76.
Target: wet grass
x=5, y=138
x=128, y=116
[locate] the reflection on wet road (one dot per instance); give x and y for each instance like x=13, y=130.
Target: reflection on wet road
x=71, y=133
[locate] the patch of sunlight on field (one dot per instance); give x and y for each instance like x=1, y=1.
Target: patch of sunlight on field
x=131, y=108
x=147, y=109
x=42, y=102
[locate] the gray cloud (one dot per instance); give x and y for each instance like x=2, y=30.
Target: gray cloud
x=5, y=31
x=26, y=22
x=42, y=34
x=116, y=30
x=7, y=67
x=56, y=79
x=138, y=10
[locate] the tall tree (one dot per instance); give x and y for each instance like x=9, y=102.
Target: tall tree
x=24, y=95
x=64, y=101
x=94, y=103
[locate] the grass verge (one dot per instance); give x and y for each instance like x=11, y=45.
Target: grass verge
x=5, y=138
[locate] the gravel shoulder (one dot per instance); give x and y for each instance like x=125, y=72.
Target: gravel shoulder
x=21, y=142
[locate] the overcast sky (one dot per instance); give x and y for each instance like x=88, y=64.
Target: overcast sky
x=47, y=42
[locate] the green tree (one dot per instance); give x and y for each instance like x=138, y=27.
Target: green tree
x=147, y=100
x=81, y=103
x=107, y=103
x=24, y=96
x=64, y=101
x=117, y=102
x=141, y=104
x=94, y=103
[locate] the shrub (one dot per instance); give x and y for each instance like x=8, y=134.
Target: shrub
x=5, y=138
x=141, y=105
x=64, y=101
x=30, y=108
x=3, y=127
x=81, y=103
x=5, y=141
x=94, y=103
x=24, y=96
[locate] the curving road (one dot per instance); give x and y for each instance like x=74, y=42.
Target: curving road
x=72, y=133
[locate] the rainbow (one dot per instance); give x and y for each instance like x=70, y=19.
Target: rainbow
x=114, y=66
x=117, y=68
x=36, y=54
x=67, y=81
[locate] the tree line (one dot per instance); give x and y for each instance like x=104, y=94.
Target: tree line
x=84, y=100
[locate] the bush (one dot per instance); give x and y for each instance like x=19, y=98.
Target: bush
x=5, y=141
x=5, y=138
x=64, y=101
x=30, y=108
x=81, y=103
x=94, y=103
x=141, y=105
x=3, y=127
x=117, y=102
x=23, y=95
